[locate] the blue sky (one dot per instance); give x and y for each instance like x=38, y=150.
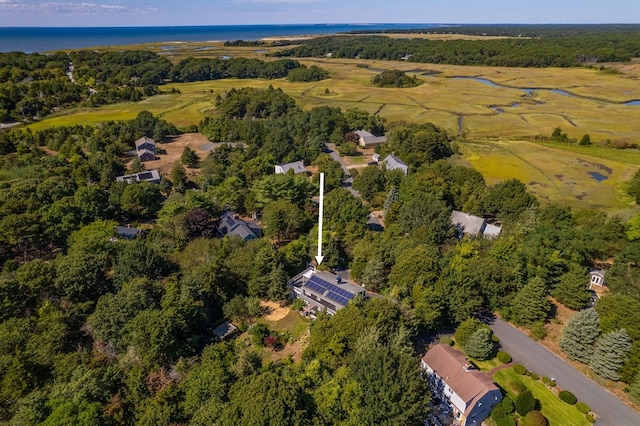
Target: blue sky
x=88, y=13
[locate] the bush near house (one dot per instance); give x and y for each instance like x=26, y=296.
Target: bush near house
x=567, y=397
x=504, y=357
x=583, y=408
x=535, y=418
x=520, y=369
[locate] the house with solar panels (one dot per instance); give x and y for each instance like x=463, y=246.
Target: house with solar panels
x=231, y=225
x=323, y=291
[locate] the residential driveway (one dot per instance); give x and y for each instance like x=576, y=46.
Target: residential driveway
x=349, y=180
x=542, y=361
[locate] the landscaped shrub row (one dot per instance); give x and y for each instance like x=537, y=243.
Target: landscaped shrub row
x=520, y=369
x=534, y=376
x=567, y=397
x=504, y=357
x=590, y=418
x=583, y=408
x=547, y=381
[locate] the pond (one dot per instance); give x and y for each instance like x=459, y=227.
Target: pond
x=226, y=57
x=598, y=176
x=632, y=103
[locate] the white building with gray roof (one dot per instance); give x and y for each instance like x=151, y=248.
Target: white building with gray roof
x=466, y=223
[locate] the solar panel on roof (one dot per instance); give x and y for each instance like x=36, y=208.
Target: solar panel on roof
x=337, y=298
x=315, y=287
x=319, y=281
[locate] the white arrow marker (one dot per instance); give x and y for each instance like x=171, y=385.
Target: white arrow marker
x=319, y=257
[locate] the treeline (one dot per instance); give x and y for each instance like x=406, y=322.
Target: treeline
x=34, y=85
x=515, y=30
x=549, y=51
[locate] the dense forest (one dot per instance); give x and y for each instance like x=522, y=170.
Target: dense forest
x=34, y=85
x=100, y=330
x=546, y=51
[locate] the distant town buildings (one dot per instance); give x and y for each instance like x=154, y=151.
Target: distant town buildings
x=469, y=224
x=322, y=291
x=467, y=394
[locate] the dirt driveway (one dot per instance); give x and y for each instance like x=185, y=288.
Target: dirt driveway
x=170, y=151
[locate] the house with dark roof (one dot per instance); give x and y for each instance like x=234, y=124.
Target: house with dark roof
x=469, y=393
x=368, y=139
x=127, y=232
x=322, y=291
x=391, y=162
x=225, y=330
x=152, y=176
x=296, y=167
x=231, y=225
x=146, y=149
x=469, y=224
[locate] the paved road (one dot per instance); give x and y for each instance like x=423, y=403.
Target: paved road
x=333, y=153
x=542, y=361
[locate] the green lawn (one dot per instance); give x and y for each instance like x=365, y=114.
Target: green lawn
x=293, y=323
x=557, y=412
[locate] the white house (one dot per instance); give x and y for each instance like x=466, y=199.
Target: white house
x=297, y=167
x=596, y=277
x=470, y=393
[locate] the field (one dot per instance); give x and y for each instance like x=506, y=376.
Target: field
x=553, y=174
x=493, y=108
x=556, y=411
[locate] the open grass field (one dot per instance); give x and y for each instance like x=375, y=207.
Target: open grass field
x=554, y=174
x=557, y=412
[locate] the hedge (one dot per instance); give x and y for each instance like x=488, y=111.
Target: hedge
x=567, y=397
x=504, y=357
x=583, y=408
x=520, y=369
x=590, y=418
x=534, y=376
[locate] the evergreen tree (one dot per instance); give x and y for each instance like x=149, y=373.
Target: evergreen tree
x=374, y=277
x=525, y=402
x=572, y=290
x=189, y=157
x=580, y=334
x=531, y=304
x=466, y=329
x=479, y=344
x=392, y=197
x=179, y=177
x=634, y=389
x=610, y=353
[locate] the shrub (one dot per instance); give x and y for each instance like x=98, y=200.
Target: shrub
x=297, y=305
x=590, y=418
x=535, y=418
x=498, y=413
x=348, y=148
x=506, y=421
x=507, y=404
x=495, y=339
x=259, y=333
x=567, y=397
x=518, y=387
x=583, y=408
x=520, y=369
x=534, y=376
x=504, y=357
x=525, y=402
x=546, y=380
x=446, y=340
x=538, y=332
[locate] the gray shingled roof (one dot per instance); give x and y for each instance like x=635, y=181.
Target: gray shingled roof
x=230, y=226
x=296, y=166
x=394, y=163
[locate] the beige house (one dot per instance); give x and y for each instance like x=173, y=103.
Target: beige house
x=368, y=139
x=470, y=393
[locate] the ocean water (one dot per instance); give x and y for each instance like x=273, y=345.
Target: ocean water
x=49, y=39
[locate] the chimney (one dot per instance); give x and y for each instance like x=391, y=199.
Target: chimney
x=338, y=279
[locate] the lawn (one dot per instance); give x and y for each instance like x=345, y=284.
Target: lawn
x=556, y=411
x=293, y=323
